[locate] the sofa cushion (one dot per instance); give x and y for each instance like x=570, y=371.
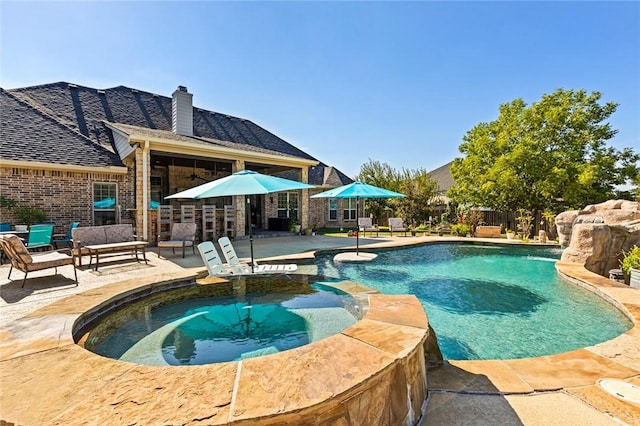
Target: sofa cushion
x=17, y=248
x=89, y=235
x=119, y=233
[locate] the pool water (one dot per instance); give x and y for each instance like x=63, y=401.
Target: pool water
x=205, y=330
x=488, y=301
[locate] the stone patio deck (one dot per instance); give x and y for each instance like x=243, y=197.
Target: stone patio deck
x=556, y=389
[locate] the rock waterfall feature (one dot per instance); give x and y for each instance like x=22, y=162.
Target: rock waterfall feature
x=597, y=235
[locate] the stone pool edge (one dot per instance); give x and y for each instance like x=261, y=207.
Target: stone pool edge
x=575, y=372
x=373, y=371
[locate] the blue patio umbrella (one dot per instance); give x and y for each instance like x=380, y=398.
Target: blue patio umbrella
x=244, y=182
x=358, y=190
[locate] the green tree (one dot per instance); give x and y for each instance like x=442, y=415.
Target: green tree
x=382, y=175
x=421, y=192
x=551, y=155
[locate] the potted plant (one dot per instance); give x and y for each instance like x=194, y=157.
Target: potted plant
x=510, y=234
x=294, y=227
x=630, y=265
x=27, y=215
x=314, y=228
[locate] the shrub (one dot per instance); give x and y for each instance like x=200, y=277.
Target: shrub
x=8, y=203
x=631, y=259
x=26, y=215
x=460, y=229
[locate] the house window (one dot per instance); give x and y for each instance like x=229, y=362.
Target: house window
x=333, y=209
x=350, y=209
x=288, y=204
x=104, y=203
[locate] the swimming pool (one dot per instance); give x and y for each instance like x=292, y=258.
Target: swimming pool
x=490, y=301
x=244, y=318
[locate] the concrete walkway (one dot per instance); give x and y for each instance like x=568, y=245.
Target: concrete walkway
x=560, y=389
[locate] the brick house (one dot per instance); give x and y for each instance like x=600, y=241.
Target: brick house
x=111, y=156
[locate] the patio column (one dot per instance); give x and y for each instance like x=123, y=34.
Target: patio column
x=146, y=161
x=240, y=203
x=237, y=165
x=142, y=161
x=304, y=200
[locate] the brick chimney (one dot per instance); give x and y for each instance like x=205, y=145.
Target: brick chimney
x=182, y=112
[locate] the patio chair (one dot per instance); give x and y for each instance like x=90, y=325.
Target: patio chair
x=211, y=259
x=366, y=224
x=25, y=261
x=48, y=222
x=61, y=238
x=234, y=262
x=40, y=237
x=396, y=224
x=183, y=235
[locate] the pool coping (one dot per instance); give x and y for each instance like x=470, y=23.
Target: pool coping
x=39, y=349
x=575, y=372
x=615, y=358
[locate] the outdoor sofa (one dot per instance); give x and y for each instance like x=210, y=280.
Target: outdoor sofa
x=484, y=231
x=97, y=241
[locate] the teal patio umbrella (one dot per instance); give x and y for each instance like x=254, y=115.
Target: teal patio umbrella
x=358, y=190
x=244, y=182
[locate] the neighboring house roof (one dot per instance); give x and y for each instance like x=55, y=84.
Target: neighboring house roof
x=442, y=176
x=327, y=176
x=27, y=134
x=84, y=111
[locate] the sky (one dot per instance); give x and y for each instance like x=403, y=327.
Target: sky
x=347, y=82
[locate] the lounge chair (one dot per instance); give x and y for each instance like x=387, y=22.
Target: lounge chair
x=183, y=235
x=61, y=238
x=396, y=224
x=230, y=255
x=366, y=224
x=212, y=260
x=234, y=262
x=40, y=237
x=21, y=259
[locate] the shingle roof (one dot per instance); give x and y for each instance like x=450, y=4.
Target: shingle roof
x=323, y=175
x=27, y=134
x=84, y=110
x=442, y=175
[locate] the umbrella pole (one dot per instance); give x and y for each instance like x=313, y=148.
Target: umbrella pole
x=357, y=229
x=250, y=231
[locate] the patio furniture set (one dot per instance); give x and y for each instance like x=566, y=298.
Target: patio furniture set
x=25, y=251
x=110, y=240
